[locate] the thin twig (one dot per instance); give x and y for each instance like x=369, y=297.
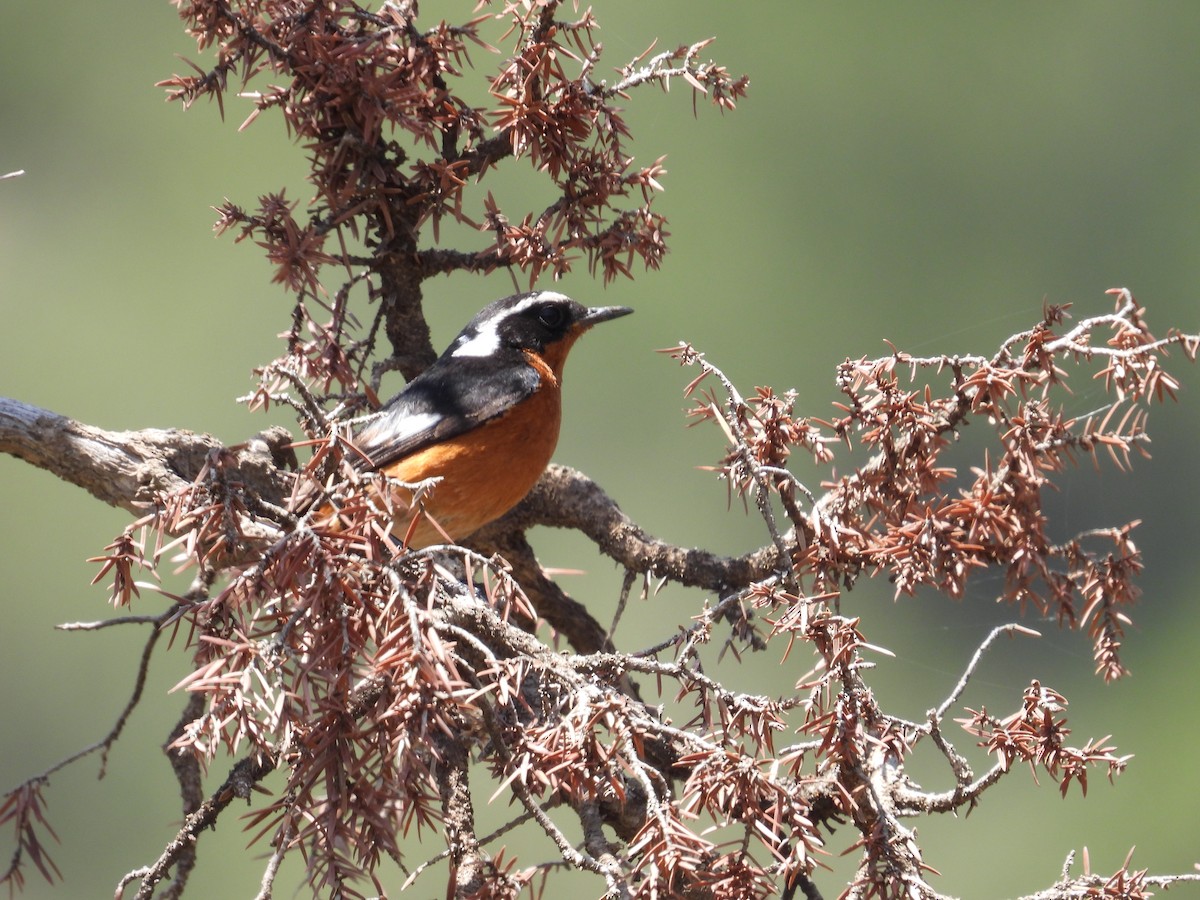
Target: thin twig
x=1010, y=630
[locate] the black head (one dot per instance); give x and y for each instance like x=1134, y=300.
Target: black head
x=532, y=321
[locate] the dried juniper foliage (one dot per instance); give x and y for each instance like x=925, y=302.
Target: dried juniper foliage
x=909, y=515
x=379, y=100
x=378, y=685
x=382, y=685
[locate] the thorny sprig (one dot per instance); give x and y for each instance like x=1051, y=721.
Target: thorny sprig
x=24, y=807
x=1124, y=884
x=379, y=684
x=1036, y=735
x=383, y=104
x=24, y=810
x=906, y=513
x=352, y=671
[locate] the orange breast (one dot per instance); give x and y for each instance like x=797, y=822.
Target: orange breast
x=485, y=472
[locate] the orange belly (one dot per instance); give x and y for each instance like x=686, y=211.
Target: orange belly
x=485, y=472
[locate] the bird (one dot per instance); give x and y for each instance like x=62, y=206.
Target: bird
x=484, y=418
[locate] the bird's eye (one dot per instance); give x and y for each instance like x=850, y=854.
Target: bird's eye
x=552, y=316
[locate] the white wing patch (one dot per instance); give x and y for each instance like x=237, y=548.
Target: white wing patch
x=407, y=426
x=484, y=343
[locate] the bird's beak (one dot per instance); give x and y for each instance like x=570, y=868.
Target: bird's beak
x=598, y=314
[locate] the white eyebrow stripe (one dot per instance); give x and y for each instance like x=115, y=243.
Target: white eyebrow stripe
x=487, y=340
x=542, y=297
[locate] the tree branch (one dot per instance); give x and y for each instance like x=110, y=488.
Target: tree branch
x=243, y=777
x=128, y=469
x=566, y=498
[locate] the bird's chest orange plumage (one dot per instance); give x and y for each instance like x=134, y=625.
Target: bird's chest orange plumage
x=485, y=471
x=483, y=420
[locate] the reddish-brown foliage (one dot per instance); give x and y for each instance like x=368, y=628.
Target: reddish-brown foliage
x=380, y=683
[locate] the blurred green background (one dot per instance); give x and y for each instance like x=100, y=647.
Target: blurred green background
x=923, y=173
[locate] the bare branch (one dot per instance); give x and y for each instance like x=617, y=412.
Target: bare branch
x=1009, y=630
x=239, y=784
x=130, y=468
x=565, y=498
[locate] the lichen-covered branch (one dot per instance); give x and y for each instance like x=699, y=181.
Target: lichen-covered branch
x=129, y=469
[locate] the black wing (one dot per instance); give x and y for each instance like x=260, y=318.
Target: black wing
x=443, y=402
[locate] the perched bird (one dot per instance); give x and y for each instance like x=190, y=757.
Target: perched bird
x=484, y=417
